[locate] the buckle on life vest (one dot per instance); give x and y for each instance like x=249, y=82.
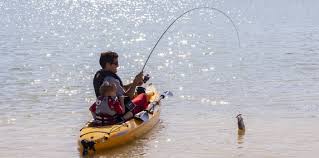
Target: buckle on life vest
x=106, y=119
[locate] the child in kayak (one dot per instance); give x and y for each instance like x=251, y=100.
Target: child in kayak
x=109, y=109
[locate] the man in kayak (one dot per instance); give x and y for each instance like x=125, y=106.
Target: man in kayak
x=109, y=64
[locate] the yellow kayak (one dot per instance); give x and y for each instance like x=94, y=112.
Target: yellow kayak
x=95, y=139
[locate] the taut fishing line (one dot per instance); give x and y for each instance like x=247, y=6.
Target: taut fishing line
x=188, y=11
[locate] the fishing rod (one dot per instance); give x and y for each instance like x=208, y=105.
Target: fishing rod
x=188, y=11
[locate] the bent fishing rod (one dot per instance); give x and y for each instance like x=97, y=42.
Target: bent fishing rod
x=188, y=11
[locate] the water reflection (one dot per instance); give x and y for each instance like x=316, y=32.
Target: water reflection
x=240, y=136
x=133, y=149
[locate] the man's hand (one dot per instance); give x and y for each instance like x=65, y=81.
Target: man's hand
x=146, y=78
x=138, y=80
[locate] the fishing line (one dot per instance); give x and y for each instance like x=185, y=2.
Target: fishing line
x=188, y=11
x=202, y=8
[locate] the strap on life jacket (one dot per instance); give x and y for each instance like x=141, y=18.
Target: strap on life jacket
x=99, y=79
x=106, y=119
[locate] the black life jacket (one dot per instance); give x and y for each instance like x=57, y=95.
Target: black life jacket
x=99, y=79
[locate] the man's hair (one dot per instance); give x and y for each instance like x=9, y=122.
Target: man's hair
x=107, y=57
x=106, y=87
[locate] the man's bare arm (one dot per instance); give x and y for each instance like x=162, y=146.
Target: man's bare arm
x=130, y=88
x=126, y=87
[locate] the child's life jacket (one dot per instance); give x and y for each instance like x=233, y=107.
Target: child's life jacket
x=107, y=109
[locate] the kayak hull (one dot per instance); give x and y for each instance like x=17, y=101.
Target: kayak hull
x=106, y=137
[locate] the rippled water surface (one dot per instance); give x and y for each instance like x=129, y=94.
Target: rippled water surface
x=49, y=53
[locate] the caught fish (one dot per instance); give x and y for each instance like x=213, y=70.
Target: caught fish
x=240, y=122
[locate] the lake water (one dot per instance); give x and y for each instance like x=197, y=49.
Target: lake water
x=49, y=52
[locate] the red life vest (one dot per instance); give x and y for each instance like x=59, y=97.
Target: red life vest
x=141, y=103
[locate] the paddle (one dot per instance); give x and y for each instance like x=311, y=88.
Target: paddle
x=162, y=96
x=143, y=116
